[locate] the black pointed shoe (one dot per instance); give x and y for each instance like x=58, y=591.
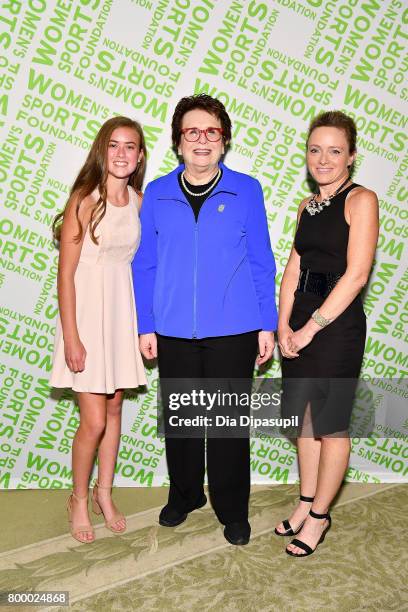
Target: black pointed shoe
x=289, y=529
x=237, y=533
x=170, y=517
x=308, y=550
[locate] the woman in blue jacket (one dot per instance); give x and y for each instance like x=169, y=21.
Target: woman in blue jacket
x=204, y=282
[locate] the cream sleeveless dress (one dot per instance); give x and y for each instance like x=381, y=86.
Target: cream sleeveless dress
x=105, y=307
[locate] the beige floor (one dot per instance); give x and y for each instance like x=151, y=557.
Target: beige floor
x=30, y=508
x=192, y=567
x=40, y=514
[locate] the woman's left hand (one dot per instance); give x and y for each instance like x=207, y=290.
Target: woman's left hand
x=266, y=344
x=299, y=339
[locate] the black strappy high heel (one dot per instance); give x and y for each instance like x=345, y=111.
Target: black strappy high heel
x=289, y=530
x=306, y=547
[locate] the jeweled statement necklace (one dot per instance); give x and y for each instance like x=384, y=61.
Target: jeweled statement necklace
x=213, y=183
x=314, y=206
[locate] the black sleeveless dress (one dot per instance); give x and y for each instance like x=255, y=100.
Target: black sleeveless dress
x=327, y=370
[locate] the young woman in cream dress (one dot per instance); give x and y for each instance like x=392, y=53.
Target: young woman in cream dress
x=96, y=346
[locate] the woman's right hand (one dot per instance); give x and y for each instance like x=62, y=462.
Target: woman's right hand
x=148, y=345
x=284, y=333
x=75, y=355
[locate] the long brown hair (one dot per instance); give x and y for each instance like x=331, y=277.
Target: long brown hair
x=94, y=173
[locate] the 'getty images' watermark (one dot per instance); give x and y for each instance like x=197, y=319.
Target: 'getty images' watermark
x=289, y=408
x=207, y=400
x=231, y=411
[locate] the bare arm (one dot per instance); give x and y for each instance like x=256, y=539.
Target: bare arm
x=362, y=213
x=363, y=237
x=68, y=261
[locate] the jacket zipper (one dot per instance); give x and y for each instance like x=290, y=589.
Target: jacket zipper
x=195, y=281
x=195, y=264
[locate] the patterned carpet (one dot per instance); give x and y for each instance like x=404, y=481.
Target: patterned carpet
x=362, y=565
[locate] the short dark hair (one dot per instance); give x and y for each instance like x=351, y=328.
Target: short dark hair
x=205, y=102
x=339, y=120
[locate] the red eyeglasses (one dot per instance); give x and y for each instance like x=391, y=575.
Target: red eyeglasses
x=193, y=134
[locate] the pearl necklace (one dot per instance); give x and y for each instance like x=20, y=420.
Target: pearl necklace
x=192, y=193
x=314, y=206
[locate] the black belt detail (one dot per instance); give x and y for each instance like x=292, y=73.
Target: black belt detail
x=320, y=283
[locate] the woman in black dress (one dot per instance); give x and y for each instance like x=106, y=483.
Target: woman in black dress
x=322, y=324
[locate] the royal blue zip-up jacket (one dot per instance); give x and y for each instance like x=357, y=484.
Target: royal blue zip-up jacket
x=213, y=277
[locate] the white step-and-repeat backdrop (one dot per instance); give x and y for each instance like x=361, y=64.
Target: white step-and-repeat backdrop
x=67, y=65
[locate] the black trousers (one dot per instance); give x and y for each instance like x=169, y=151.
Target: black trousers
x=228, y=459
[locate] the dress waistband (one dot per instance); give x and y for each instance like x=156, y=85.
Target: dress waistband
x=320, y=283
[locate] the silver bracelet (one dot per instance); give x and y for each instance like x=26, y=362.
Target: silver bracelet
x=319, y=319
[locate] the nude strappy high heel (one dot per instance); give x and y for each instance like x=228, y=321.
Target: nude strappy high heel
x=77, y=530
x=96, y=508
